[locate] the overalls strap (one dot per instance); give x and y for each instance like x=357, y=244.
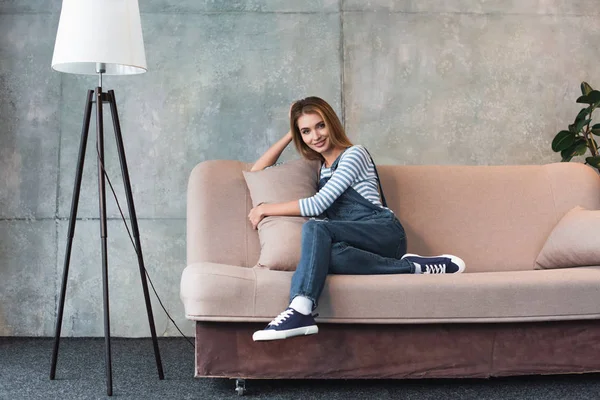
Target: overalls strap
x=378, y=180
x=337, y=161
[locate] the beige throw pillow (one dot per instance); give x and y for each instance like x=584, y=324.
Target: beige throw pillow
x=280, y=237
x=573, y=242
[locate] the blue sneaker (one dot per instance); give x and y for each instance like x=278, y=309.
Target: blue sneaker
x=444, y=264
x=288, y=324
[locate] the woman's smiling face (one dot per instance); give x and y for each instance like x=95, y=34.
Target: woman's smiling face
x=314, y=132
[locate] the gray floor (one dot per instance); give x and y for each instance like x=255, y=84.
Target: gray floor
x=25, y=366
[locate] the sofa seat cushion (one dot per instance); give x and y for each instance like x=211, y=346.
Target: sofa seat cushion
x=218, y=292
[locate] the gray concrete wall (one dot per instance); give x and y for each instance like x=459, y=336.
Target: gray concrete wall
x=417, y=82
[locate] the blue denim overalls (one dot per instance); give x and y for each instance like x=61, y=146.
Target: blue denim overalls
x=356, y=237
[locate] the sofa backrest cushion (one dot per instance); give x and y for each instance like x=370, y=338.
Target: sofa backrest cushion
x=497, y=218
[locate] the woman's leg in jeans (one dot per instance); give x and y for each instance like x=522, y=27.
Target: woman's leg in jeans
x=315, y=253
x=349, y=260
x=374, y=237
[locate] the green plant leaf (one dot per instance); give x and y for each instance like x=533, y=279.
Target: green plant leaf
x=597, y=126
x=594, y=96
x=563, y=140
x=572, y=128
x=580, y=149
x=581, y=124
x=593, y=161
x=596, y=132
x=591, y=98
x=582, y=114
x=583, y=100
x=570, y=151
x=566, y=154
x=585, y=88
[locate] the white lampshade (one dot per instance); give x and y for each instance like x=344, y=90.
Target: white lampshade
x=99, y=31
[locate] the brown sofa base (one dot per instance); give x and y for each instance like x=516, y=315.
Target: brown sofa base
x=347, y=351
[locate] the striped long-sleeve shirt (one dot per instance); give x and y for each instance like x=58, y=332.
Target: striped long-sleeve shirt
x=356, y=170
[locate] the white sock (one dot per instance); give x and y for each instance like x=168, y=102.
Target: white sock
x=302, y=304
x=418, y=269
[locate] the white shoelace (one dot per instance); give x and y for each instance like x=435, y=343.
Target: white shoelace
x=435, y=269
x=281, y=317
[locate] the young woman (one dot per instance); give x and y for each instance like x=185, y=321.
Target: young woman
x=355, y=232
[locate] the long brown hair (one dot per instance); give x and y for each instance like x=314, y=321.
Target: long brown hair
x=316, y=105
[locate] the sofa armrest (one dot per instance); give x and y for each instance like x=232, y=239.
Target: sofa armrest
x=218, y=203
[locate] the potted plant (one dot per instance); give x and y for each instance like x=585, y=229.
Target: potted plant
x=580, y=135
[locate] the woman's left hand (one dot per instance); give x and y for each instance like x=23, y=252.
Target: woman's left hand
x=256, y=215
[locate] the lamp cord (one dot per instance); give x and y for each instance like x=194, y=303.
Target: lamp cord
x=135, y=247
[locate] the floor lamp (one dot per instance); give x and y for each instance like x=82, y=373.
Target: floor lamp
x=101, y=38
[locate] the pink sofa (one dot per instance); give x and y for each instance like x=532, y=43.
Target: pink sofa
x=502, y=317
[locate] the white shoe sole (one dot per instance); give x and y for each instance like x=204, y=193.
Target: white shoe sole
x=270, y=334
x=456, y=260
